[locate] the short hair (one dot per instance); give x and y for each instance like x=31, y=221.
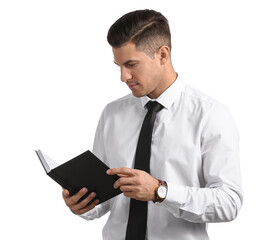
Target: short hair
x=147, y=29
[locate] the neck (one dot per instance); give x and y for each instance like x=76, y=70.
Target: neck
x=168, y=78
x=171, y=77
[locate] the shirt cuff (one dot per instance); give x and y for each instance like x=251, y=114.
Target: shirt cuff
x=90, y=215
x=176, y=197
x=97, y=212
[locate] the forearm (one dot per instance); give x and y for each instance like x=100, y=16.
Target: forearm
x=203, y=205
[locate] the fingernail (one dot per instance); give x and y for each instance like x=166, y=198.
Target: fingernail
x=108, y=171
x=93, y=194
x=84, y=190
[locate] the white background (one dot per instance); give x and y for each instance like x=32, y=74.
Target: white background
x=57, y=74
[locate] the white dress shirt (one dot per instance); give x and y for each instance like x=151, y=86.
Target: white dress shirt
x=194, y=149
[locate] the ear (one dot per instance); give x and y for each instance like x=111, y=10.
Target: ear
x=163, y=54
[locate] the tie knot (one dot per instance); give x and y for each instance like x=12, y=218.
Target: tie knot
x=154, y=106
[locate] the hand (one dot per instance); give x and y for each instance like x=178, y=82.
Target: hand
x=135, y=183
x=80, y=207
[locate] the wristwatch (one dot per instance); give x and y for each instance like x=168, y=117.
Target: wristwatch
x=161, y=191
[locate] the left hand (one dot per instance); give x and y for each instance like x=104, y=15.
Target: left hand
x=135, y=183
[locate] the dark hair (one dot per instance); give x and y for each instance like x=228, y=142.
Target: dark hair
x=147, y=29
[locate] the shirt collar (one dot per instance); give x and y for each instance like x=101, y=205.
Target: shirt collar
x=169, y=96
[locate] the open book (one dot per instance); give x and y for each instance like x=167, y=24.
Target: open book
x=85, y=170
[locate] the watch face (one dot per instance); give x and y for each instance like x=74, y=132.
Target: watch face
x=162, y=192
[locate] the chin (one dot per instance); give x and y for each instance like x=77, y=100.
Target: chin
x=138, y=94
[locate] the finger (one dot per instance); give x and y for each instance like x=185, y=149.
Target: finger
x=65, y=193
x=87, y=208
x=129, y=194
x=135, y=195
x=79, y=195
x=127, y=188
x=122, y=170
x=123, y=181
x=82, y=204
x=72, y=200
x=123, y=175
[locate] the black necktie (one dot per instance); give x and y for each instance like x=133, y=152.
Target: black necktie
x=137, y=221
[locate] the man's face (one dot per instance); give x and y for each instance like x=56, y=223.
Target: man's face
x=141, y=73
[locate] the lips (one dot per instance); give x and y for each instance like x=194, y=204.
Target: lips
x=132, y=85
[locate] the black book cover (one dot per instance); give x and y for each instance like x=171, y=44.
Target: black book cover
x=85, y=170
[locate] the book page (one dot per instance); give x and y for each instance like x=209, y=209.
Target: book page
x=47, y=162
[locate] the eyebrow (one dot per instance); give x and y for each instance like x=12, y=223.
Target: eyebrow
x=127, y=62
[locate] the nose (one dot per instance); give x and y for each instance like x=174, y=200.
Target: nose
x=125, y=75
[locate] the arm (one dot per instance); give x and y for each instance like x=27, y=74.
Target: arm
x=86, y=208
x=99, y=150
x=221, y=198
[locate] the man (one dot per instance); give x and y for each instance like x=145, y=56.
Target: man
x=194, y=174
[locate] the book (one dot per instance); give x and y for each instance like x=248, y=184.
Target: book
x=85, y=170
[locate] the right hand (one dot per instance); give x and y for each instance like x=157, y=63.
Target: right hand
x=84, y=205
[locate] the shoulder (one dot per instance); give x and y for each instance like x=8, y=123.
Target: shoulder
x=194, y=95
x=123, y=102
x=212, y=112
x=203, y=107
x=197, y=100
x=121, y=105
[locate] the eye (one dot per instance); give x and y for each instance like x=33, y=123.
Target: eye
x=130, y=65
